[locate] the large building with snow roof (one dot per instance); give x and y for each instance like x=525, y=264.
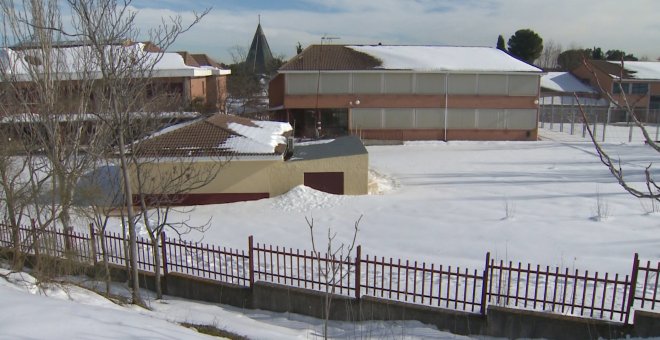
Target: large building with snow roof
x=638, y=82
x=256, y=161
x=189, y=81
x=408, y=93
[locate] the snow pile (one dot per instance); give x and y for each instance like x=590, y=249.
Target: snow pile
x=303, y=199
x=444, y=58
x=380, y=184
x=256, y=140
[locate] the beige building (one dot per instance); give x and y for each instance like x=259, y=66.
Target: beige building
x=407, y=93
x=252, y=161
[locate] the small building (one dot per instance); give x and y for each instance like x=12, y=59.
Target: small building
x=253, y=160
x=637, y=82
x=561, y=96
x=407, y=93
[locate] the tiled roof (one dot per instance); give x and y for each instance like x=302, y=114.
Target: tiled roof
x=610, y=68
x=331, y=57
x=202, y=138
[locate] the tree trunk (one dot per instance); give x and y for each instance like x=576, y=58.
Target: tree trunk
x=132, y=232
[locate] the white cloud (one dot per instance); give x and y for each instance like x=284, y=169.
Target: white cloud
x=610, y=24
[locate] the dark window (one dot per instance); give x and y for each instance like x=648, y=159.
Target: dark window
x=640, y=88
x=616, y=88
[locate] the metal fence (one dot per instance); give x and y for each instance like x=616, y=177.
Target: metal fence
x=607, y=124
x=555, y=290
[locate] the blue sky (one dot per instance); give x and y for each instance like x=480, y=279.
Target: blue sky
x=610, y=24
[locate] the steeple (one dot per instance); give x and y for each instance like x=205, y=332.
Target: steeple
x=259, y=55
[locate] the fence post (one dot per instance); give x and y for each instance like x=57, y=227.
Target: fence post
x=251, y=259
x=484, y=285
x=35, y=239
x=163, y=252
x=633, y=287
x=92, y=239
x=358, y=272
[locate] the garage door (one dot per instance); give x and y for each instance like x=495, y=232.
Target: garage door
x=330, y=182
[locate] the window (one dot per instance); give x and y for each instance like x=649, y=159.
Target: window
x=617, y=87
x=640, y=88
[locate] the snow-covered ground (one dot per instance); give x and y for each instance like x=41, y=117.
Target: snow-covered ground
x=443, y=203
x=450, y=203
x=58, y=311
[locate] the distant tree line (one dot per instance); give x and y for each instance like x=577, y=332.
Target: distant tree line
x=527, y=45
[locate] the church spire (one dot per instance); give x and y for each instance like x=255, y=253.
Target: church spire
x=259, y=55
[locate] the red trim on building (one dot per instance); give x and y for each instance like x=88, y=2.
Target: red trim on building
x=202, y=199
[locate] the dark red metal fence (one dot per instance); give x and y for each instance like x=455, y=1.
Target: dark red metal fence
x=557, y=290
x=560, y=291
x=442, y=286
x=310, y=270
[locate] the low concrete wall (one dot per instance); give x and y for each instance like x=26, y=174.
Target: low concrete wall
x=444, y=319
x=516, y=323
x=647, y=324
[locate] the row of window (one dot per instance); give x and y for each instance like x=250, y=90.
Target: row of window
x=412, y=83
x=630, y=88
x=406, y=118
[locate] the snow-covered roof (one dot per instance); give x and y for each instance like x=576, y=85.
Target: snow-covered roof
x=644, y=70
x=79, y=62
x=444, y=58
x=260, y=139
x=218, y=135
x=564, y=82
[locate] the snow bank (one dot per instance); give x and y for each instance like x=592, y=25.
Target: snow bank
x=303, y=199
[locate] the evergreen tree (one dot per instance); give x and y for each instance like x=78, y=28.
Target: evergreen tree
x=299, y=48
x=500, y=43
x=619, y=55
x=526, y=45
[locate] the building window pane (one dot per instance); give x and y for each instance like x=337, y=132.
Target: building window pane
x=430, y=118
x=640, y=88
x=398, y=118
x=334, y=83
x=398, y=83
x=364, y=83
x=524, y=85
x=301, y=83
x=462, y=84
x=366, y=119
x=429, y=83
x=491, y=84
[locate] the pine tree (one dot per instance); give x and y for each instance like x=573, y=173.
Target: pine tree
x=526, y=45
x=500, y=43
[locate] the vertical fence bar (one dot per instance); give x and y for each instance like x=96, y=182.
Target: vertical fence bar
x=251, y=259
x=484, y=286
x=633, y=287
x=358, y=258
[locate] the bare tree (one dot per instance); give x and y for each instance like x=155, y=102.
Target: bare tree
x=162, y=182
x=47, y=98
x=106, y=75
x=650, y=189
x=549, y=55
x=332, y=272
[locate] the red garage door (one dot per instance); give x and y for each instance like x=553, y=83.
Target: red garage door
x=330, y=182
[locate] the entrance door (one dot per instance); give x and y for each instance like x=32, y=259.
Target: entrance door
x=330, y=182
